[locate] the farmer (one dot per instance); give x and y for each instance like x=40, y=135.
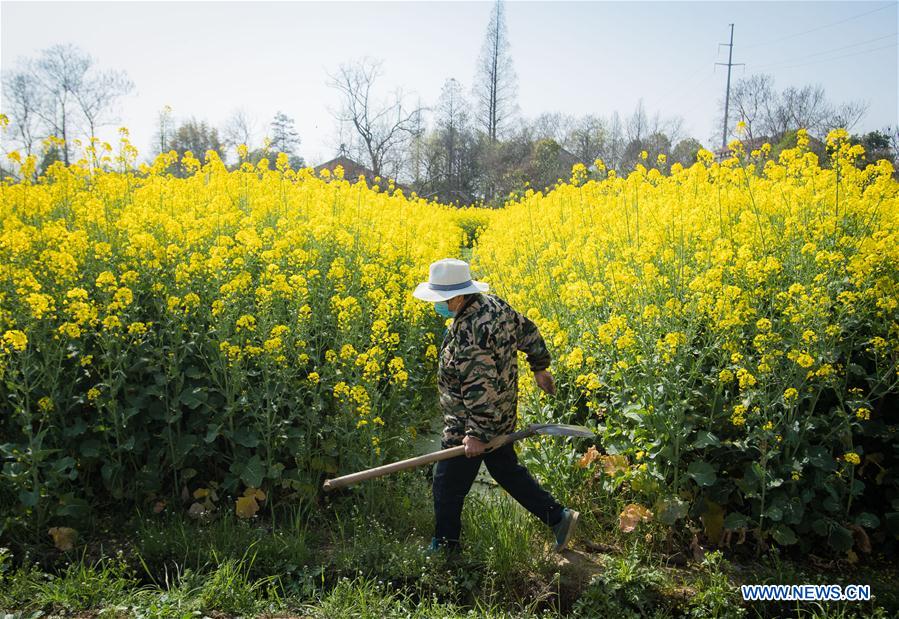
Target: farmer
x=477, y=379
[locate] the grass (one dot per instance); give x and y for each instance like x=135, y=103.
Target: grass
x=347, y=561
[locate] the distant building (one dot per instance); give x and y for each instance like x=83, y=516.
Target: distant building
x=567, y=159
x=351, y=169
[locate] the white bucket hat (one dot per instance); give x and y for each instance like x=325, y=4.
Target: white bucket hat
x=448, y=278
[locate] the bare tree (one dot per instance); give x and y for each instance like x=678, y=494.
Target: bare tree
x=751, y=99
x=586, y=138
x=551, y=125
x=61, y=94
x=804, y=107
x=380, y=126
x=452, y=123
x=21, y=93
x=96, y=97
x=638, y=124
x=613, y=153
x=165, y=130
x=61, y=70
x=240, y=128
x=846, y=115
x=198, y=137
x=495, y=88
x=769, y=114
x=418, y=139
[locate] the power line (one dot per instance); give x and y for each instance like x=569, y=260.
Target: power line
x=866, y=51
x=681, y=84
x=804, y=32
x=828, y=51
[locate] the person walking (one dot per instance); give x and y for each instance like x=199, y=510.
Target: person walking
x=477, y=380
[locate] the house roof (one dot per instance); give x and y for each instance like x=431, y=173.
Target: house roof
x=351, y=169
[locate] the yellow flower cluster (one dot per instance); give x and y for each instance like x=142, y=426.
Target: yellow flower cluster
x=301, y=276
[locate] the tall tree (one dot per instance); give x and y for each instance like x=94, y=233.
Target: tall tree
x=452, y=122
x=586, y=138
x=240, y=129
x=165, y=131
x=381, y=127
x=62, y=94
x=418, y=138
x=284, y=137
x=771, y=114
x=97, y=95
x=495, y=87
x=196, y=137
x=23, y=98
x=61, y=70
x=638, y=124
x=750, y=98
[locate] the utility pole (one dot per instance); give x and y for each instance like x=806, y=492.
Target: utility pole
x=730, y=57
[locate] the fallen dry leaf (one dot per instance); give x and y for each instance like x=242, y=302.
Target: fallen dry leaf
x=614, y=464
x=861, y=539
x=256, y=493
x=697, y=549
x=631, y=516
x=197, y=510
x=63, y=537
x=246, y=507
x=712, y=521
x=588, y=457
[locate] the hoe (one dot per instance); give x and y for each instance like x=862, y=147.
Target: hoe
x=550, y=429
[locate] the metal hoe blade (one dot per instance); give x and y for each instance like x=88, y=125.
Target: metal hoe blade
x=561, y=429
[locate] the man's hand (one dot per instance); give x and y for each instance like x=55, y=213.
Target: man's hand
x=473, y=447
x=545, y=381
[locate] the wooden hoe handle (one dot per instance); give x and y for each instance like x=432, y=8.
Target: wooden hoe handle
x=402, y=465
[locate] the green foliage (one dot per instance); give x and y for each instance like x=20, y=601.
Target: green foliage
x=82, y=585
x=626, y=588
x=230, y=589
x=176, y=541
x=716, y=596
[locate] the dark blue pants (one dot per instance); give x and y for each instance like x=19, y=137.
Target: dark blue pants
x=453, y=479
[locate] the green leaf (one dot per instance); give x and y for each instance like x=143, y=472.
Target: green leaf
x=90, y=448
x=246, y=438
x=702, y=472
x=193, y=397
x=29, y=499
x=670, y=510
x=867, y=520
x=253, y=472
x=633, y=412
x=774, y=513
x=783, y=535
x=193, y=372
x=840, y=538
x=891, y=519
x=821, y=458
x=705, y=439
x=735, y=520
x=820, y=526
x=212, y=433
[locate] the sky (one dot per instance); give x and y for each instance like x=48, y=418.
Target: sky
x=207, y=59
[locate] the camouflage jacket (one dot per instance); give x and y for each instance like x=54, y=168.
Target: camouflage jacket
x=477, y=374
